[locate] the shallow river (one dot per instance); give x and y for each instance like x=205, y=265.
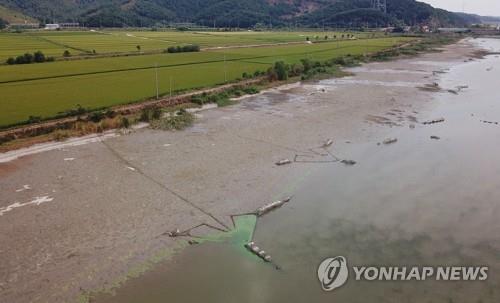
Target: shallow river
x=416, y=202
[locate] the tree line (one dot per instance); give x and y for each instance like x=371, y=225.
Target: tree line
x=183, y=49
x=28, y=58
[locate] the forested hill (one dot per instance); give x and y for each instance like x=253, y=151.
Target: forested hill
x=234, y=13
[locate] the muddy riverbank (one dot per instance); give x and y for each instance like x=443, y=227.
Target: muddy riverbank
x=83, y=218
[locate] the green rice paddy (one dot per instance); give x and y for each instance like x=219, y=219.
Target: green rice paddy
x=47, y=89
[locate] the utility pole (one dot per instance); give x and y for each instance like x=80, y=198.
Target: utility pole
x=170, y=86
x=156, y=77
x=225, y=69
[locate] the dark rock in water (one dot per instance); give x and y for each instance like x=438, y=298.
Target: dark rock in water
x=435, y=138
x=348, y=162
x=193, y=242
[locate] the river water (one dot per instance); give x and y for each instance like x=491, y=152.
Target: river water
x=419, y=202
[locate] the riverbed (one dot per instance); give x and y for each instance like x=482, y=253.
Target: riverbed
x=420, y=201
x=92, y=220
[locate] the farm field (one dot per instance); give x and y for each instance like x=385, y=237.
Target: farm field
x=98, y=83
x=264, y=55
x=110, y=42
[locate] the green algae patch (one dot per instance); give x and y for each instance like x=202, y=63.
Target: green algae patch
x=242, y=232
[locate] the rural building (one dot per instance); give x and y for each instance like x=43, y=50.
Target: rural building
x=490, y=30
x=69, y=25
x=455, y=30
x=52, y=26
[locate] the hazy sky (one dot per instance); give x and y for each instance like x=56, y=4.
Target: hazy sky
x=482, y=7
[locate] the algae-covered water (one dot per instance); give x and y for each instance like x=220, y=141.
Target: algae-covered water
x=416, y=202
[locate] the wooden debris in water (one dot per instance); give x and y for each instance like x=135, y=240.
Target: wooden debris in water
x=271, y=206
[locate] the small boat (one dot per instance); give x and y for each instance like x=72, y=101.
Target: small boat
x=174, y=233
x=328, y=143
x=283, y=162
x=269, y=207
x=253, y=248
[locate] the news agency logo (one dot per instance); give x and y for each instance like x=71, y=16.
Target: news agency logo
x=334, y=272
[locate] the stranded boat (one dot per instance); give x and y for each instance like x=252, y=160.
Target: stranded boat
x=253, y=248
x=269, y=207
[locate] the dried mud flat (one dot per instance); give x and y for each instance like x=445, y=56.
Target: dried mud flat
x=80, y=218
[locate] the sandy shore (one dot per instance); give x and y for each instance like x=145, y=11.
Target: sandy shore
x=79, y=218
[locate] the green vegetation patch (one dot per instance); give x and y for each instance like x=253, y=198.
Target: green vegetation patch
x=174, y=121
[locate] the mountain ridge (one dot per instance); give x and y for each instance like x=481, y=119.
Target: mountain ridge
x=237, y=13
